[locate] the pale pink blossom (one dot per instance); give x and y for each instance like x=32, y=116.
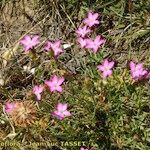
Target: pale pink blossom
x=95, y=44
x=9, y=106
x=29, y=42
x=82, y=42
x=137, y=71
x=54, y=46
x=91, y=20
x=61, y=111
x=37, y=90
x=55, y=83
x=82, y=31
x=106, y=68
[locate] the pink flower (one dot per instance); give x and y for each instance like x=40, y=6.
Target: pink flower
x=83, y=31
x=9, y=106
x=37, y=90
x=61, y=112
x=82, y=42
x=91, y=19
x=29, y=42
x=55, y=46
x=55, y=83
x=106, y=68
x=95, y=44
x=137, y=70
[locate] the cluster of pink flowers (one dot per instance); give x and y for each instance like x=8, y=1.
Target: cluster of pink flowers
x=82, y=32
x=54, y=85
x=137, y=70
x=29, y=42
x=94, y=44
x=55, y=82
